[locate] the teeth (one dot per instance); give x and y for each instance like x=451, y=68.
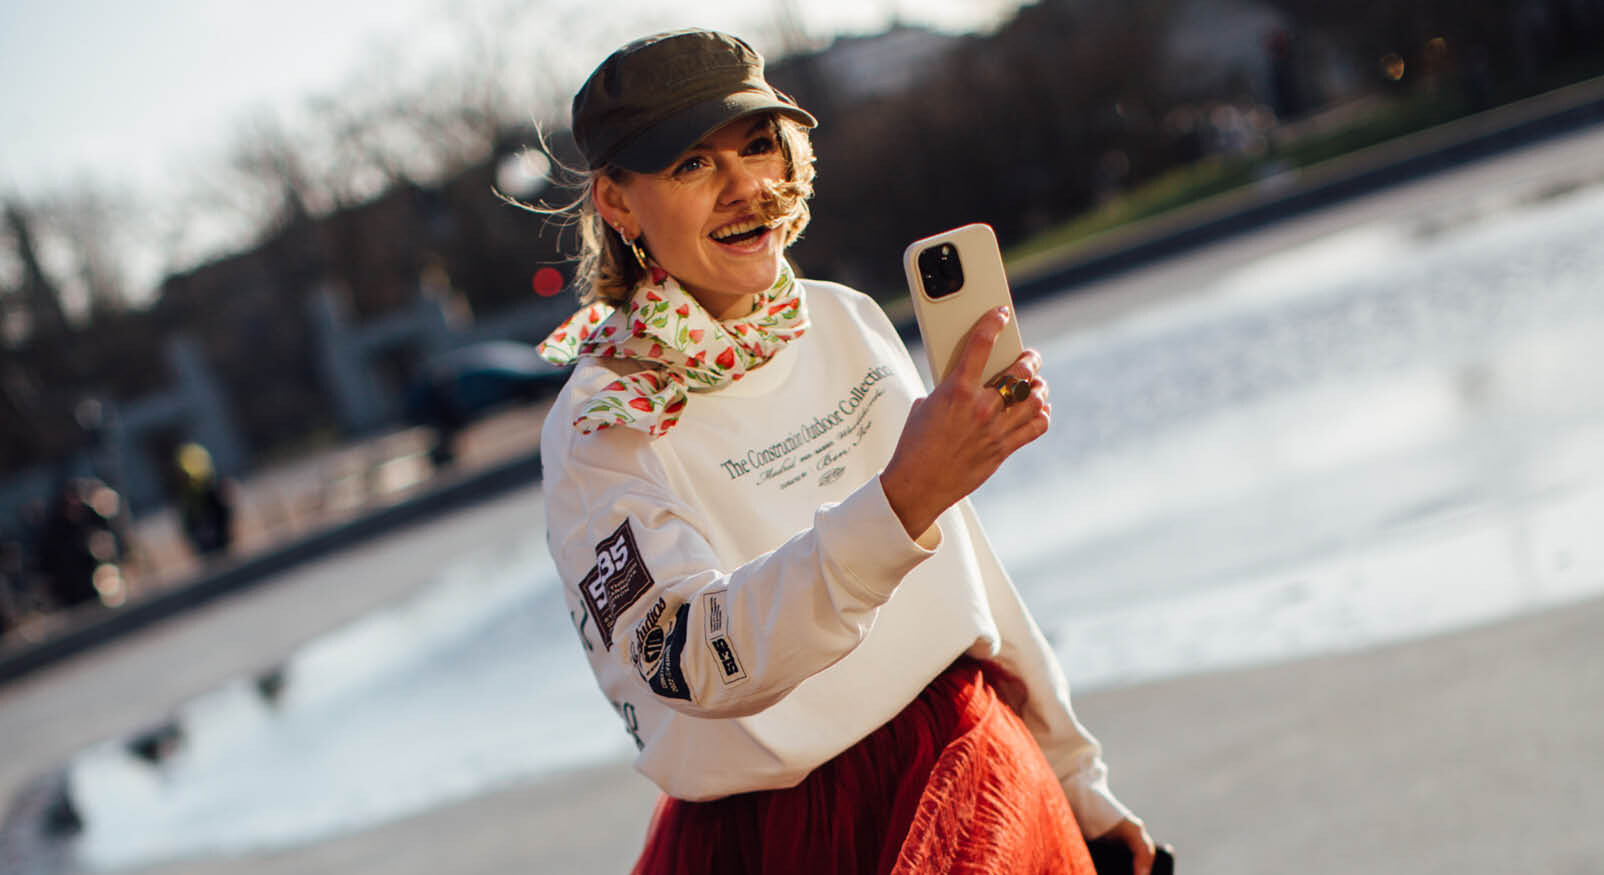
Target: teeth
x=737, y=228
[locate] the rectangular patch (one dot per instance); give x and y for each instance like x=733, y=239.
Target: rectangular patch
x=730, y=670
x=617, y=580
x=713, y=602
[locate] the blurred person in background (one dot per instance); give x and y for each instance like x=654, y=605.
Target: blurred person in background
x=81, y=544
x=205, y=509
x=762, y=527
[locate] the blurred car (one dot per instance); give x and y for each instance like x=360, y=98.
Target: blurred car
x=453, y=389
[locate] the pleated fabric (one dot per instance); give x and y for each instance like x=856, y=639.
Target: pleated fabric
x=954, y=783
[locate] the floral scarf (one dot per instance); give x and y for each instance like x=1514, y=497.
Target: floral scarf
x=688, y=350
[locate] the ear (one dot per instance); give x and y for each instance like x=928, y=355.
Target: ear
x=610, y=201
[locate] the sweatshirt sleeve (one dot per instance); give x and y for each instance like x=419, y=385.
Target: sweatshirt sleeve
x=1022, y=650
x=659, y=615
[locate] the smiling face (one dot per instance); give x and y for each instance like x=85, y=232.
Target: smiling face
x=701, y=217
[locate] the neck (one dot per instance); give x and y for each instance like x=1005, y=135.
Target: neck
x=723, y=306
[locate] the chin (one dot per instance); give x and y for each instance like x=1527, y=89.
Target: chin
x=751, y=279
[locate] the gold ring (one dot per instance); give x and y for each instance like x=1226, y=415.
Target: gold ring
x=1013, y=390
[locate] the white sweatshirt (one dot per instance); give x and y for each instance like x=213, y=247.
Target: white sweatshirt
x=748, y=600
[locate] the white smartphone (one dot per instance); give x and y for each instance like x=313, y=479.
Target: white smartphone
x=955, y=277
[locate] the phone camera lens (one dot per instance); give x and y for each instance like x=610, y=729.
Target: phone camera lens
x=941, y=270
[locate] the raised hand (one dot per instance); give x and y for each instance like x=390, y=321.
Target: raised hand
x=958, y=436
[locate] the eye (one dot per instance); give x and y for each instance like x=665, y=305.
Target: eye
x=689, y=165
x=760, y=145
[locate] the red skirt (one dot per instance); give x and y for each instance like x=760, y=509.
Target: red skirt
x=954, y=783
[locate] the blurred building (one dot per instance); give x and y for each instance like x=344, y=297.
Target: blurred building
x=857, y=69
x=1252, y=51
x=317, y=330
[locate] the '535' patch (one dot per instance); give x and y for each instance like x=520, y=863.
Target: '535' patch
x=617, y=580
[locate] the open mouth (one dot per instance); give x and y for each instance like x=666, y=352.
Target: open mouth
x=740, y=232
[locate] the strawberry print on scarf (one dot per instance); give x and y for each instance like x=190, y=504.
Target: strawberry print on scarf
x=687, y=349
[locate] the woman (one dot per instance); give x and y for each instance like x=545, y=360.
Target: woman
x=761, y=526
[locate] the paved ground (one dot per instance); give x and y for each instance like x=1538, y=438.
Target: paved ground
x=1476, y=753
x=1479, y=752
x=133, y=682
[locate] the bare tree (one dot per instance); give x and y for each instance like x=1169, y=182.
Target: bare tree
x=88, y=224
x=12, y=318
x=267, y=176
x=39, y=297
x=793, y=31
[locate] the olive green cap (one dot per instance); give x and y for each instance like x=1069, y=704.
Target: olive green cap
x=655, y=98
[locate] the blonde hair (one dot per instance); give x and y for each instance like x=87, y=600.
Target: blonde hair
x=607, y=268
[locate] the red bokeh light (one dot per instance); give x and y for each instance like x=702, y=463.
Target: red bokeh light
x=548, y=281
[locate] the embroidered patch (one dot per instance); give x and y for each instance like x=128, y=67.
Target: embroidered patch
x=657, y=650
x=730, y=670
x=618, y=579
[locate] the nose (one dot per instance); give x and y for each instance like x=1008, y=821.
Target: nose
x=741, y=183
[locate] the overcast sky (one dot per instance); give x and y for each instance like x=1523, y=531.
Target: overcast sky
x=138, y=92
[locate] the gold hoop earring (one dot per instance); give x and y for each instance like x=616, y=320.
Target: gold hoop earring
x=634, y=246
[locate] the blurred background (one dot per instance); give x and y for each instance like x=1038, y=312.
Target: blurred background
x=251, y=231
x=257, y=287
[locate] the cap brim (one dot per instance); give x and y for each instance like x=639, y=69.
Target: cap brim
x=657, y=147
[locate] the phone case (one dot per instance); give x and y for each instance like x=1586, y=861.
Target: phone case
x=943, y=321
x=1113, y=857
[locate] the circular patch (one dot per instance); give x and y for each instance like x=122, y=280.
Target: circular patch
x=654, y=645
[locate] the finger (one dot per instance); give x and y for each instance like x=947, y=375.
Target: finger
x=1026, y=368
x=1019, y=397
x=1026, y=433
x=971, y=362
x=1036, y=384
x=1142, y=850
x=1024, y=422
x=1028, y=365
x=1143, y=858
x=1009, y=390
